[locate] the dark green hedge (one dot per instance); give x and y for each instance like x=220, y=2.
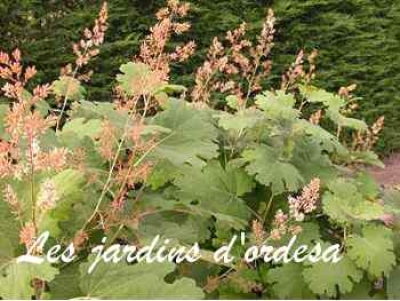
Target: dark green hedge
x=358, y=40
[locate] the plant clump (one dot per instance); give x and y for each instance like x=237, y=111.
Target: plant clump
x=194, y=165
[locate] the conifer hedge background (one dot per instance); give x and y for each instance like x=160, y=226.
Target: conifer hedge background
x=358, y=40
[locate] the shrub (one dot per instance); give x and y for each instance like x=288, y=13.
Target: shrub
x=191, y=165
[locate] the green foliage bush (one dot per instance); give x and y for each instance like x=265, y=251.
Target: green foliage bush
x=153, y=162
x=358, y=42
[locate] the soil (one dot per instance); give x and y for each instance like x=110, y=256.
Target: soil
x=390, y=175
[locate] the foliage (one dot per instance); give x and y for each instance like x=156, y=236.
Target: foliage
x=192, y=168
x=357, y=40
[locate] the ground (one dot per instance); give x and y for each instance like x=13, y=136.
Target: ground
x=390, y=175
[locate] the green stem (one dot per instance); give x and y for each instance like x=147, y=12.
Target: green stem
x=269, y=205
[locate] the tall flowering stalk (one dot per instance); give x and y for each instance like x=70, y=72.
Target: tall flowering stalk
x=87, y=48
x=284, y=223
x=364, y=141
x=21, y=156
x=135, y=97
x=152, y=51
x=237, y=67
x=306, y=202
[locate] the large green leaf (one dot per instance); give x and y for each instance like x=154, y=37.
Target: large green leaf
x=16, y=278
x=317, y=95
x=309, y=236
x=138, y=281
x=363, y=291
x=392, y=202
x=325, y=139
x=138, y=79
x=79, y=128
x=333, y=103
x=345, y=204
x=217, y=190
x=241, y=120
x=311, y=161
x=264, y=163
x=327, y=279
x=69, y=87
x=163, y=171
x=166, y=216
x=344, y=121
x=373, y=251
x=66, y=284
x=288, y=283
x=103, y=111
x=69, y=188
x=278, y=105
x=191, y=138
x=185, y=228
x=9, y=234
x=393, y=287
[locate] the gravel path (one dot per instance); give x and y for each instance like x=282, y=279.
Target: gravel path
x=390, y=175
